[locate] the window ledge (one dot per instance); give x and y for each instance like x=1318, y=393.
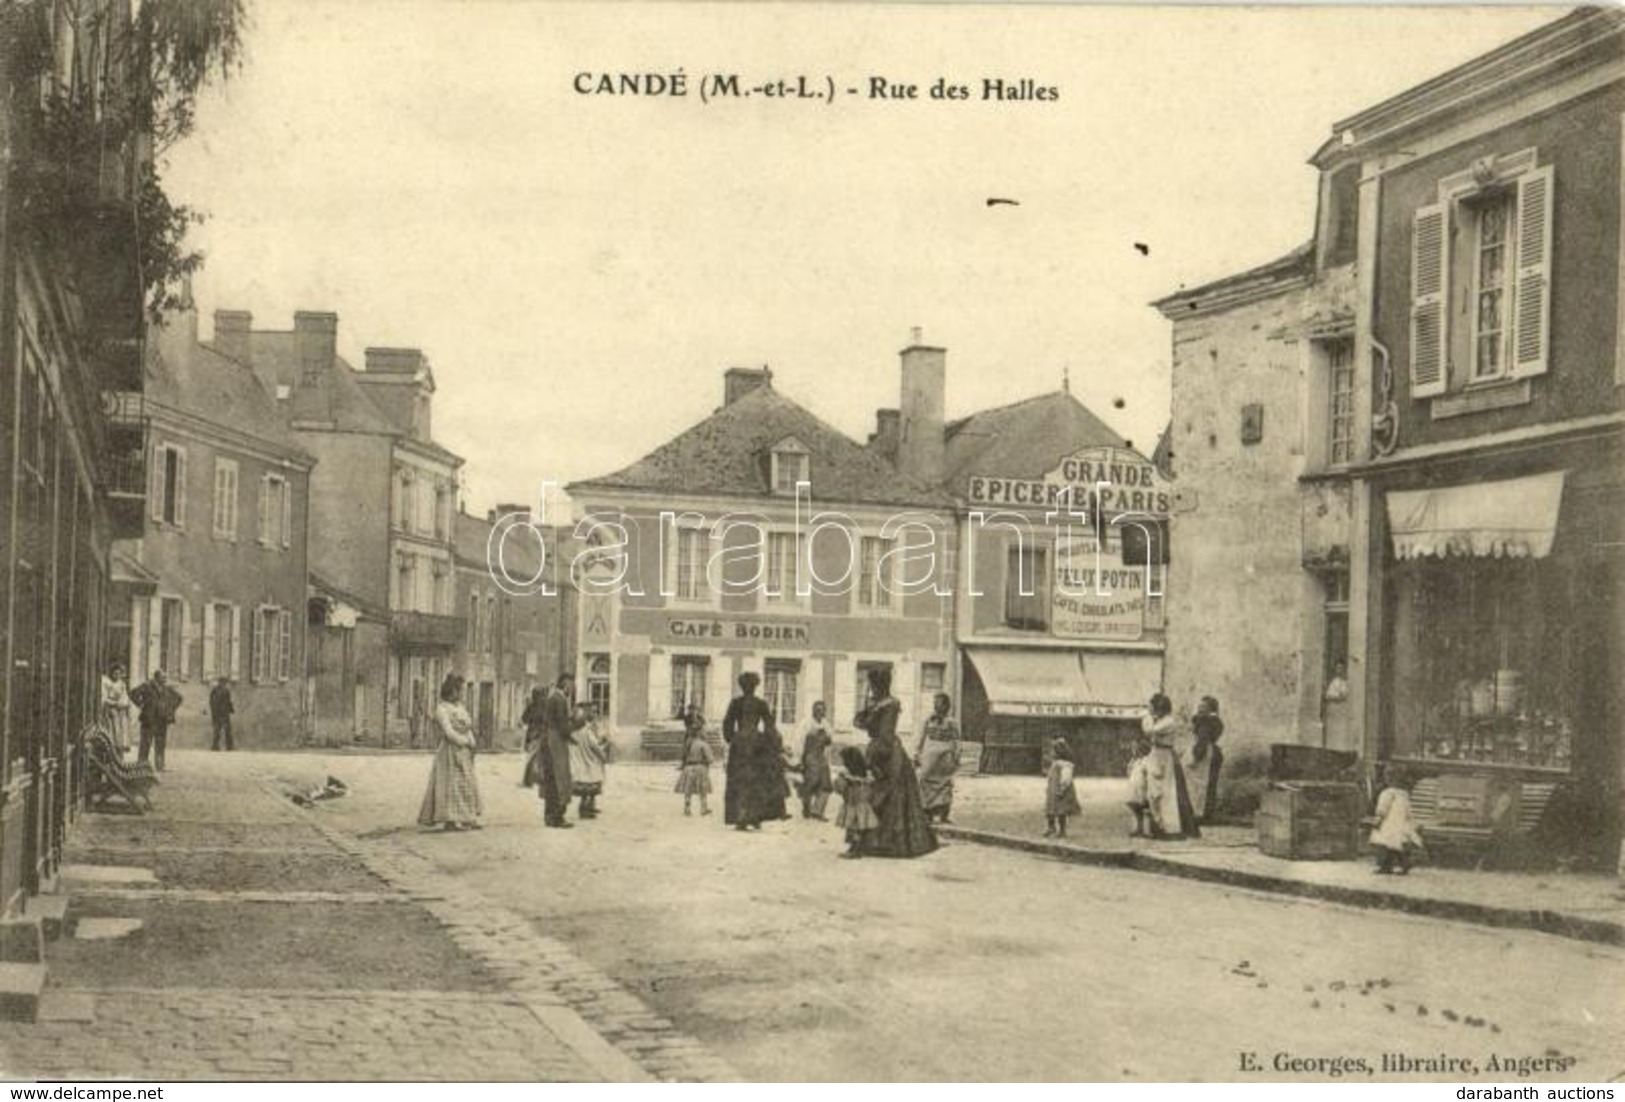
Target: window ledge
x=1479, y=397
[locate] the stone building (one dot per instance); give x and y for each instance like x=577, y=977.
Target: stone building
x=224, y=548
x=1459, y=365
x=382, y=501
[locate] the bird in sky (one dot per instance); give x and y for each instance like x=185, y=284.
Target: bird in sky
x=1003, y=203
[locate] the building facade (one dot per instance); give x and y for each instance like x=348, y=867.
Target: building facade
x=700, y=565
x=1467, y=536
x=224, y=548
x=72, y=477
x=518, y=606
x=1059, y=618
x=382, y=501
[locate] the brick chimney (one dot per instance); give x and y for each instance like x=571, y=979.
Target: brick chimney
x=510, y=509
x=399, y=381
x=740, y=381
x=888, y=428
x=231, y=334
x=315, y=337
x=919, y=444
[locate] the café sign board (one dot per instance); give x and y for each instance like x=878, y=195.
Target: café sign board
x=726, y=630
x=1116, y=482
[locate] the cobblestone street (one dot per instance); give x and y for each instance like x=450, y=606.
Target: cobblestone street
x=341, y=942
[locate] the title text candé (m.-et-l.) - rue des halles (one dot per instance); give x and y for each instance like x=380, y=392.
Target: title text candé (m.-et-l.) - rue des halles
x=680, y=84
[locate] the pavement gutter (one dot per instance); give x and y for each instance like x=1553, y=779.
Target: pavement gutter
x=1543, y=921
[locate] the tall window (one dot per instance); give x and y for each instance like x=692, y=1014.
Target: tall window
x=1340, y=394
x=1337, y=622
x=273, y=644
x=689, y=581
x=688, y=675
x=172, y=637
x=781, y=681
x=1493, y=226
x=598, y=681
x=473, y=623
x=1026, y=589
x=874, y=583
x=783, y=561
x=488, y=626
x=225, y=499
x=170, y=472
x=406, y=588
x=933, y=680
x=441, y=514
x=221, y=645
x=405, y=511
x=276, y=511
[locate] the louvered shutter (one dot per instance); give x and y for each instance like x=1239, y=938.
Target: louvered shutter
x=155, y=486
x=235, y=670
x=180, y=487
x=287, y=512
x=844, y=706
x=284, y=645
x=1430, y=269
x=1532, y=289
x=210, y=649
x=265, y=512
x=659, y=687
x=155, y=636
x=188, y=639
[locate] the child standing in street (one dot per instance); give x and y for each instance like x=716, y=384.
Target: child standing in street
x=694, y=767
x=1139, y=796
x=1060, y=794
x=857, y=815
x=1395, y=836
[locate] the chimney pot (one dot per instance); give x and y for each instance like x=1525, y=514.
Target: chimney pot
x=740, y=381
x=920, y=444
x=315, y=338
x=231, y=334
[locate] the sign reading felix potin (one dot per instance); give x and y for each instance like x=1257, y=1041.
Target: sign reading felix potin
x=1114, y=482
x=1095, y=596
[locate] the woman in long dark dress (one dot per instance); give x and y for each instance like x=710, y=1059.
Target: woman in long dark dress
x=1206, y=759
x=902, y=828
x=754, y=791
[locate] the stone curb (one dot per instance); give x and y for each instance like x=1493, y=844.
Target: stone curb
x=611, y=1030
x=1482, y=914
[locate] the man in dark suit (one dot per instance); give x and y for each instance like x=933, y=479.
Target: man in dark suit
x=220, y=712
x=560, y=720
x=158, y=703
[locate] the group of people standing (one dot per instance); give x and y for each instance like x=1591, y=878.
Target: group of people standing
x=155, y=703
x=885, y=810
x=1168, y=802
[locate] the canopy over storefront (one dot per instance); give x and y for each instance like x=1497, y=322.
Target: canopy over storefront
x=1064, y=683
x=1515, y=518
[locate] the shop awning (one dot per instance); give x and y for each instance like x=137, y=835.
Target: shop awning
x=1515, y=518
x=1062, y=683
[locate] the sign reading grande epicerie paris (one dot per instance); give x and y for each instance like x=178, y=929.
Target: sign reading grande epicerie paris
x=1113, y=481
x=720, y=630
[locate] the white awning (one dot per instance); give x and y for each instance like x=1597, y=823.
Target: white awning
x=1066, y=683
x=1515, y=518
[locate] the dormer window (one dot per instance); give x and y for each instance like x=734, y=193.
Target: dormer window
x=791, y=465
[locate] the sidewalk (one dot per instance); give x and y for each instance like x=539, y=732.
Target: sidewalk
x=229, y=935
x=1008, y=811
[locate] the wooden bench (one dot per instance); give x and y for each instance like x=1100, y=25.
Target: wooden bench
x=110, y=775
x=1504, y=830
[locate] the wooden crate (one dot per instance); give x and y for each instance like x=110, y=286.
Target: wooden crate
x=1311, y=821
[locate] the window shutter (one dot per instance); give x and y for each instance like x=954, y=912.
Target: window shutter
x=844, y=706
x=265, y=511
x=287, y=512
x=256, y=658
x=210, y=650
x=659, y=687
x=180, y=487
x=188, y=638
x=1430, y=267
x=231, y=502
x=155, y=486
x=155, y=636
x=284, y=646
x=1532, y=289
x=235, y=670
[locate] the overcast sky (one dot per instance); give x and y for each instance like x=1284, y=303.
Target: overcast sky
x=581, y=269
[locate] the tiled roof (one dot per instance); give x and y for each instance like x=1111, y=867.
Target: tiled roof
x=1025, y=439
x=337, y=399
x=728, y=453
x=201, y=382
